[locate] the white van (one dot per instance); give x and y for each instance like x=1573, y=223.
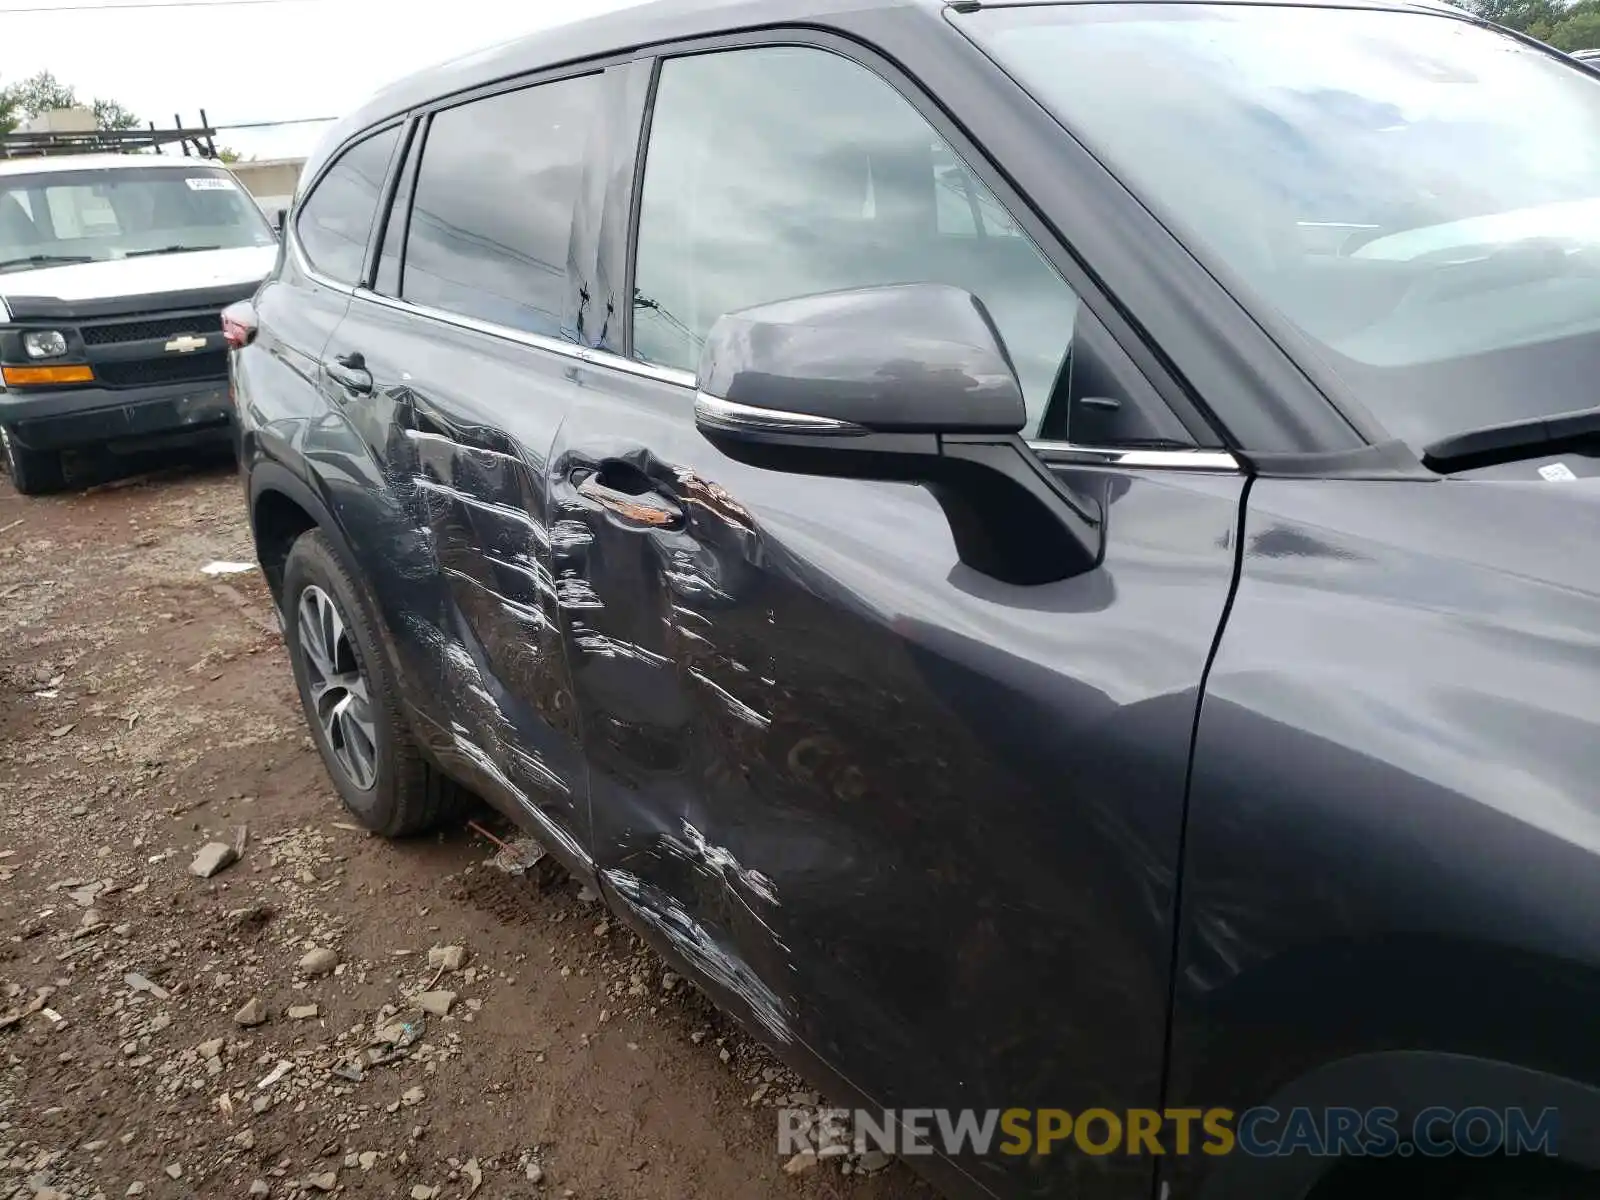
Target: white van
x=114, y=270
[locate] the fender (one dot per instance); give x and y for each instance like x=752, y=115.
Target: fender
x=1392, y=830
x=1321, y=1027
x=266, y=475
x=1408, y=1082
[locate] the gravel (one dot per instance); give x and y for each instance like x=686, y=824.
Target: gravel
x=146, y=713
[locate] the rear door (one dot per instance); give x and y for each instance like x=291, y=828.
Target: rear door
x=478, y=299
x=299, y=307
x=344, y=439
x=911, y=822
x=319, y=419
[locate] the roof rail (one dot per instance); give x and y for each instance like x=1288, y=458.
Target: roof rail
x=198, y=141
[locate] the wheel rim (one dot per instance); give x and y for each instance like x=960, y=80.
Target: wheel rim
x=338, y=689
x=5, y=452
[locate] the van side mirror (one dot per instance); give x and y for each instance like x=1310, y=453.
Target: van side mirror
x=908, y=382
x=279, y=220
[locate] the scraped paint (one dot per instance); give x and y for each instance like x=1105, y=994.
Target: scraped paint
x=691, y=939
x=732, y=703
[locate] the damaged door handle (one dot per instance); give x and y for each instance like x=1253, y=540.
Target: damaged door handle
x=649, y=508
x=350, y=372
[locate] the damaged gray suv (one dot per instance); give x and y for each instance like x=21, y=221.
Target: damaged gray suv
x=1043, y=553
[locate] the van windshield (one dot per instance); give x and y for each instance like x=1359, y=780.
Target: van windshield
x=58, y=217
x=1418, y=195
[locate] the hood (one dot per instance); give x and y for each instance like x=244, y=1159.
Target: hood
x=146, y=275
x=1536, y=534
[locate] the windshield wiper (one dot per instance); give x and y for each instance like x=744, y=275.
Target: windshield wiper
x=1511, y=439
x=168, y=250
x=44, y=260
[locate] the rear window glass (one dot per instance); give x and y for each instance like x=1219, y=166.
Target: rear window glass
x=335, y=221
x=491, y=221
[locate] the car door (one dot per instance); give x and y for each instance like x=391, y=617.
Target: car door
x=336, y=434
x=910, y=822
x=472, y=288
x=303, y=301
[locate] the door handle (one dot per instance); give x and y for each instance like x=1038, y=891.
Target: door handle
x=350, y=372
x=649, y=508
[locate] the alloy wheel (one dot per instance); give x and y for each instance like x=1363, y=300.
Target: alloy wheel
x=340, y=697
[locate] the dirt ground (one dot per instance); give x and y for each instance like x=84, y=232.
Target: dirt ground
x=147, y=709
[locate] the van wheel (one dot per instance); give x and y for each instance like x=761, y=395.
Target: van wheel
x=350, y=699
x=32, y=471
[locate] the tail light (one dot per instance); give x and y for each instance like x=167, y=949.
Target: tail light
x=239, y=324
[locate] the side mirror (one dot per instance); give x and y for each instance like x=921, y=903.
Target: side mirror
x=909, y=382
x=278, y=220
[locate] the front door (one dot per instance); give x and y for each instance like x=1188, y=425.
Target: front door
x=912, y=822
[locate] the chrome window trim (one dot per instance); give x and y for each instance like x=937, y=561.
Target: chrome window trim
x=291, y=239
x=584, y=354
x=538, y=341
x=1160, y=460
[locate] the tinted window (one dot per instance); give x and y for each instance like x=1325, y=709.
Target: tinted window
x=785, y=171
x=336, y=219
x=492, y=218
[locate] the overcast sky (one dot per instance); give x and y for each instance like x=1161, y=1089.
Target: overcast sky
x=258, y=62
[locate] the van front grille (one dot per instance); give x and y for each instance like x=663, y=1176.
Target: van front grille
x=113, y=332
x=145, y=372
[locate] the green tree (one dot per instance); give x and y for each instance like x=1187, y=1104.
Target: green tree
x=1515, y=14
x=44, y=92
x=228, y=154
x=8, y=111
x=1566, y=26
x=41, y=93
x=108, y=114
x=1579, y=27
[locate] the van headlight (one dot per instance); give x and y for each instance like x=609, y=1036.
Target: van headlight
x=44, y=343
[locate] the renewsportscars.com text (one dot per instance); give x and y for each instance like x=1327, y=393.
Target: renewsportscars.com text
x=1476, y=1131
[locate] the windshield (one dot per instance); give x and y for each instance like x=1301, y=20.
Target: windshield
x=1418, y=195
x=60, y=217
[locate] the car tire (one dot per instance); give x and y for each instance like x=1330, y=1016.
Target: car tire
x=347, y=689
x=33, y=472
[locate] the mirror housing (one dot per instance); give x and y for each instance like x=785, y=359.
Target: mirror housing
x=913, y=358
x=909, y=382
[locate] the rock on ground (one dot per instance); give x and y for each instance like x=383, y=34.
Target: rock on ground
x=320, y=961
x=451, y=958
x=436, y=1003
x=252, y=1013
x=212, y=858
